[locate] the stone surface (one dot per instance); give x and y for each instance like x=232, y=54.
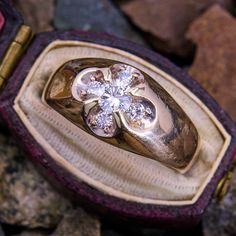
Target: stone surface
x=78, y=223
x=26, y=199
x=214, y=68
x=36, y=13
x=220, y=217
x=98, y=16
x=166, y=21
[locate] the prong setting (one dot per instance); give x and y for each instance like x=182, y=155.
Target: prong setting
x=112, y=89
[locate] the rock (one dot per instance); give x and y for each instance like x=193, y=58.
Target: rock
x=97, y=16
x=26, y=199
x=42, y=16
x=166, y=21
x=214, y=68
x=219, y=218
x=78, y=223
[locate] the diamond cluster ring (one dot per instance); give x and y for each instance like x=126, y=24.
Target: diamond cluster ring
x=112, y=89
x=125, y=107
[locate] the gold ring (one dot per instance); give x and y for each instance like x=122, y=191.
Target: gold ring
x=125, y=107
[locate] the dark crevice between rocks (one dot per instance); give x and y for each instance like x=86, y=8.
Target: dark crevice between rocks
x=11, y=230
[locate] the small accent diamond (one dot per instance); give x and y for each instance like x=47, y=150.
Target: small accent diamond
x=136, y=111
x=103, y=120
x=123, y=79
x=96, y=88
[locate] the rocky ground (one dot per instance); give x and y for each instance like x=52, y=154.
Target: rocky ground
x=198, y=35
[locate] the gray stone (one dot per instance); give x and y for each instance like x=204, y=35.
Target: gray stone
x=26, y=199
x=93, y=15
x=78, y=223
x=220, y=217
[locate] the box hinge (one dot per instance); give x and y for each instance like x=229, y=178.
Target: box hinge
x=224, y=184
x=14, y=52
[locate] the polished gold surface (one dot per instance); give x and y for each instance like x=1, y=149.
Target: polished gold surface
x=1, y=82
x=24, y=35
x=224, y=184
x=14, y=52
x=152, y=125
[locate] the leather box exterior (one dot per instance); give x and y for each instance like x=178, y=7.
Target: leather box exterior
x=176, y=216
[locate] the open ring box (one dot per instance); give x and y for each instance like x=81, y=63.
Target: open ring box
x=104, y=178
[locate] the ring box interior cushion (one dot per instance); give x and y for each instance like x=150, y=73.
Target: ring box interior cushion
x=111, y=179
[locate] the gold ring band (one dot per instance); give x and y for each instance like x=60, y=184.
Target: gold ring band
x=125, y=107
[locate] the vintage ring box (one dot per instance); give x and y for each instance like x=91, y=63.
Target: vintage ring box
x=114, y=183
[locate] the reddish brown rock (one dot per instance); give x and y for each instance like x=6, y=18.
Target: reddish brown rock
x=166, y=21
x=214, y=66
x=36, y=13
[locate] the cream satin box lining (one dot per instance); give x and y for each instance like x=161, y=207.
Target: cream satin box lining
x=121, y=174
